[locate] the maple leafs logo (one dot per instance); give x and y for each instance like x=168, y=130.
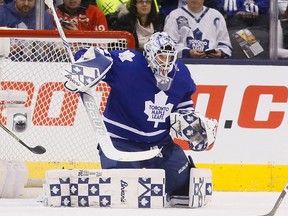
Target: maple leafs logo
x=159, y=110
x=126, y=56
x=197, y=42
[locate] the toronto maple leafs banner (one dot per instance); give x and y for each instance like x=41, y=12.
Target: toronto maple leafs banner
x=118, y=188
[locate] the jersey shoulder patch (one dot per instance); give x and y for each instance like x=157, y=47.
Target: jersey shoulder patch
x=127, y=55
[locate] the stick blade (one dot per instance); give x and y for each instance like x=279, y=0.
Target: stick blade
x=38, y=150
x=278, y=202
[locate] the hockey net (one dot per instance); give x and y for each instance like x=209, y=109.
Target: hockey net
x=57, y=119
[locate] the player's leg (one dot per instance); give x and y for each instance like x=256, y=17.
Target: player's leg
x=176, y=165
x=186, y=185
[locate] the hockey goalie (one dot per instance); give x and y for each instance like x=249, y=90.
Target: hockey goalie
x=150, y=96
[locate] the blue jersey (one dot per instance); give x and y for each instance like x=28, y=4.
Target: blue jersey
x=10, y=17
x=136, y=109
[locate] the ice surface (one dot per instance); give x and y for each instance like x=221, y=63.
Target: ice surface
x=222, y=204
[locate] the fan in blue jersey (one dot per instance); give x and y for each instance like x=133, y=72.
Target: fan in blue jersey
x=145, y=89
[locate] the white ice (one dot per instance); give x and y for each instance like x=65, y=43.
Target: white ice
x=222, y=204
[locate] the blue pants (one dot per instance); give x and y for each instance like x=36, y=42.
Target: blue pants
x=172, y=159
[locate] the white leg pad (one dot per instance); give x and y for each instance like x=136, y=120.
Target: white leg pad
x=119, y=188
x=57, y=188
x=200, y=188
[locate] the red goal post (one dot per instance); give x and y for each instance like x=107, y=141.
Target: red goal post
x=31, y=61
x=118, y=35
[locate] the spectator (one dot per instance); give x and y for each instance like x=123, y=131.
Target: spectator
x=282, y=7
x=283, y=15
x=166, y=6
x=22, y=14
x=244, y=13
x=196, y=29
x=247, y=16
x=282, y=29
x=140, y=18
x=73, y=16
x=282, y=52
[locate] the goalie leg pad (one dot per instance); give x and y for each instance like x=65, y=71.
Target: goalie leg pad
x=119, y=188
x=200, y=190
x=57, y=188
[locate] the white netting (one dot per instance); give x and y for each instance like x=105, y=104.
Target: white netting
x=58, y=119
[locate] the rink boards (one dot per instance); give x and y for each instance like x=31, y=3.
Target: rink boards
x=250, y=103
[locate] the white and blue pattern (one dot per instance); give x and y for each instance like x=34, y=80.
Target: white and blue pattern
x=86, y=192
x=105, y=189
x=59, y=192
x=153, y=192
x=202, y=189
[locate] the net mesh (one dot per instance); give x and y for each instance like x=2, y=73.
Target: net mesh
x=57, y=119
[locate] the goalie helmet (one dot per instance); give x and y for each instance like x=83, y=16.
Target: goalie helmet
x=161, y=55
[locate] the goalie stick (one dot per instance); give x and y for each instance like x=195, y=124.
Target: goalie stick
x=94, y=115
x=36, y=150
x=278, y=202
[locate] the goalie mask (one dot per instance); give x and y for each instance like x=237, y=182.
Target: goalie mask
x=198, y=130
x=161, y=55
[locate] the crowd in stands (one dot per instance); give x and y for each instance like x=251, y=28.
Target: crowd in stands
x=140, y=17
x=74, y=16
x=21, y=14
x=200, y=31
x=201, y=28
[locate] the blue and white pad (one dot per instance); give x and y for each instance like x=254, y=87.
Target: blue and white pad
x=57, y=188
x=119, y=188
x=85, y=189
x=200, y=190
x=198, y=130
x=88, y=70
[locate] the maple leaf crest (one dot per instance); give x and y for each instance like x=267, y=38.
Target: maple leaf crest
x=197, y=41
x=126, y=56
x=159, y=110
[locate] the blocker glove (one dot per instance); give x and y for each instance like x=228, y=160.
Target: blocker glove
x=90, y=67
